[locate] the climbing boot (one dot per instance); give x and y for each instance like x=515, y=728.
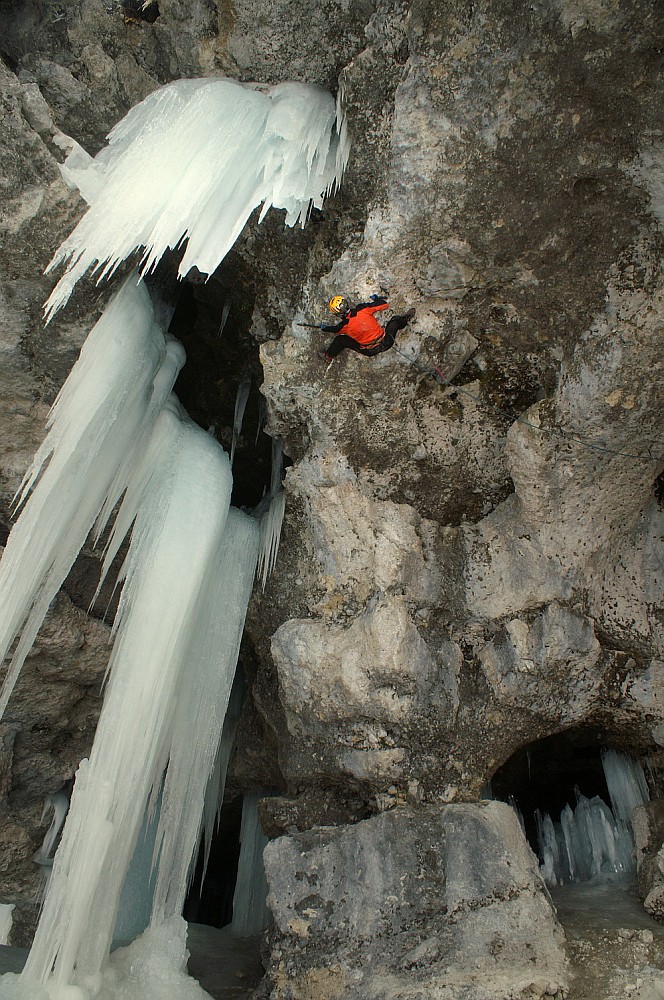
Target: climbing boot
x=410, y=314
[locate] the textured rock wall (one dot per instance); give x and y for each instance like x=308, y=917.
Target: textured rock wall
x=443, y=902
x=464, y=568
x=521, y=209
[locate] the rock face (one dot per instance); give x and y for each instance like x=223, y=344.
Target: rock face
x=470, y=562
x=649, y=835
x=45, y=733
x=434, y=901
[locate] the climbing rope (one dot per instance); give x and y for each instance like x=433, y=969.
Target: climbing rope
x=438, y=376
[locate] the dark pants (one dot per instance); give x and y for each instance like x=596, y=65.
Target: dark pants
x=342, y=342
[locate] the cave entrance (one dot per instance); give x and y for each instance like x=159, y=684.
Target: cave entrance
x=210, y=897
x=574, y=797
x=225, y=908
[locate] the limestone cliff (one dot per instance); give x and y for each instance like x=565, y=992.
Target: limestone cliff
x=469, y=563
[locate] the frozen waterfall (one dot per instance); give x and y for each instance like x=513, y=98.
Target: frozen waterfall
x=188, y=166
x=95, y=430
x=183, y=170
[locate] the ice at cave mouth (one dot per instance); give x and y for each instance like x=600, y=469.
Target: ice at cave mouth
x=118, y=436
x=594, y=840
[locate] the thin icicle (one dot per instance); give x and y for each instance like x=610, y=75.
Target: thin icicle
x=272, y=520
x=153, y=187
x=262, y=416
x=96, y=425
x=224, y=316
x=59, y=803
x=214, y=793
x=271, y=525
x=241, y=398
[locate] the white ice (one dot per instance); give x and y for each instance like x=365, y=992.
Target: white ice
x=241, y=398
x=59, y=803
x=6, y=918
x=96, y=426
x=189, y=164
x=214, y=794
x=178, y=496
x=592, y=841
x=215, y=632
x=273, y=518
x=626, y=782
x=185, y=168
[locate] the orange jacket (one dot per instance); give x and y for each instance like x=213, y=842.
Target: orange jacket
x=360, y=324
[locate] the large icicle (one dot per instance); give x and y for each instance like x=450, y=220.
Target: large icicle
x=626, y=782
x=179, y=498
x=201, y=702
x=190, y=163
x=59, y=803
x=102, y=413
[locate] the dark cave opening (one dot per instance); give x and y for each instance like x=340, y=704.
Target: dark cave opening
x=549, y=774
x=135, y=11
x=221, y=354
x=210, y=897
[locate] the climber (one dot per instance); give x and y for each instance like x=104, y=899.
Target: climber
x=359, y=330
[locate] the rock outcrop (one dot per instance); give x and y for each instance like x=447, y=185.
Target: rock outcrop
x=472, y=554
x=445, y=902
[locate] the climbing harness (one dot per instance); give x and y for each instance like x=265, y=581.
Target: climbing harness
x=439, y=377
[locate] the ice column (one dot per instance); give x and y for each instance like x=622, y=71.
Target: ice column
x=591, y=840
x=178, y=496
x=250, y=912
x=200, y=705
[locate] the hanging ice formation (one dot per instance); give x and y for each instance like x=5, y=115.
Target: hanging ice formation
x=6, y=920
x=593, y=841
x=250, y=913
x=273, y=518
x=187, y=166
x=240, y=406
x=214, y=795
x=59, y=803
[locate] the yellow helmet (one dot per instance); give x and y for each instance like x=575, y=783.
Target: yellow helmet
x=339, y=305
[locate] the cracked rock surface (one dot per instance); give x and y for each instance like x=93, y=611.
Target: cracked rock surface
x=470, y=562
